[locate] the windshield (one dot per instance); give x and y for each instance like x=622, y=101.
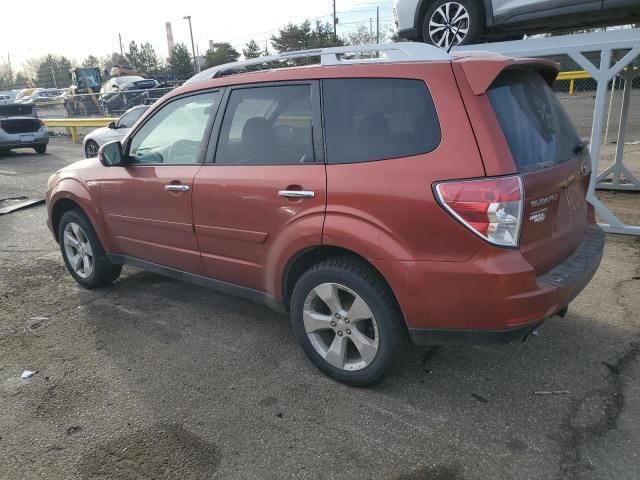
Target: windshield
x=128, y=79
x=88, y=78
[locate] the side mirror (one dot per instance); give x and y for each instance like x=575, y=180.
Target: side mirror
x=110, y=154
x=112, y=125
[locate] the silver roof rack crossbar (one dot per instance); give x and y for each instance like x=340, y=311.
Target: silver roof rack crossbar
x=393, y=52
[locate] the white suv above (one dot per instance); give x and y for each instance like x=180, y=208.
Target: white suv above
x=461, y=22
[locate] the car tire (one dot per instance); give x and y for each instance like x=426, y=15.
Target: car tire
x=441, y=23
x=40, y=149
x=359, y=351
x=91, y=149
x=77, y=235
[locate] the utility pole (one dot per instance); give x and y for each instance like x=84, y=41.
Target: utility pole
x=377, y=24
x=370, y=30
x=9, y=62
x=121, y=48
x=193, y=48
x=53, y=74
x=335, y=22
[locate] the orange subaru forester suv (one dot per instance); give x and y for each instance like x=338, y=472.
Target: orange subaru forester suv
x=389, y=190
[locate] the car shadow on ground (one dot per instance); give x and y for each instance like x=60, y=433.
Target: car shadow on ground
x=190, y=353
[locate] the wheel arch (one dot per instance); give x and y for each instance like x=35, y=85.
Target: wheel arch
x=306, y=258
x=71, y=194
x=59, y=208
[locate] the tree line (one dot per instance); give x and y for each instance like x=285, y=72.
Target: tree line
x=52, y=71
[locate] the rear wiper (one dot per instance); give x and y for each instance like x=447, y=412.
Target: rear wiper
x=580, y=147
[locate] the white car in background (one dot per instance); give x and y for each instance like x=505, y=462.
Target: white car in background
x=115, y=131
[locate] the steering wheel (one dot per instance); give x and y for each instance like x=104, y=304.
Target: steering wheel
x=181, y=149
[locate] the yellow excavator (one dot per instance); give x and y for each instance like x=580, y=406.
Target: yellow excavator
x=84, y=94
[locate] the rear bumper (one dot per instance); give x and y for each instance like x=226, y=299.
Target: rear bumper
x=13, y=140
x=495, y=296
x=409, y=33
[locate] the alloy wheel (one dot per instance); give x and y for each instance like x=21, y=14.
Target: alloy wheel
x=78, y=250
x=341, y=327
x=91, y=149
x=449, y=25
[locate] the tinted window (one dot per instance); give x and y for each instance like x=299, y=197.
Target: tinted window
x=375, y=119
x=537, y=128
x=173, y=134
x=267, y=125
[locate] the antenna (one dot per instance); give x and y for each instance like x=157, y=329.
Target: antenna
x=455, y=34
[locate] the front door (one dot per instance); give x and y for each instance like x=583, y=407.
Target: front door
x=264, y=196
x=147, y=203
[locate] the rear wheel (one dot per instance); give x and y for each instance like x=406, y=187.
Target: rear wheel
x=347, y=321
x=452, y=22
x=40, y=149
x=82, y=252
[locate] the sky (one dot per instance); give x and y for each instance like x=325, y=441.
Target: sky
x=93, y=29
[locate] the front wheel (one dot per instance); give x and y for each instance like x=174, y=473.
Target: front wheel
x=347, y=320
x=91, y=149
x=449, y=23
x=82, y=251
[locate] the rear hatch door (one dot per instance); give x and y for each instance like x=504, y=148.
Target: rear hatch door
x=552, y=160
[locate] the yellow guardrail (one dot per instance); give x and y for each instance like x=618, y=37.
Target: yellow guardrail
x=72, y=124
x=572, y=76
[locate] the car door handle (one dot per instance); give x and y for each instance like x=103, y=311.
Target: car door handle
x=296, y=193
x=177, y=188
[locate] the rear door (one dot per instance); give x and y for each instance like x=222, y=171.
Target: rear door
x=507, y=11
x=263, y=197
x=552, y=160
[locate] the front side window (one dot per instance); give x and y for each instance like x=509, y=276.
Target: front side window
x=174, y=134
x=378, y=118
x=267, y=125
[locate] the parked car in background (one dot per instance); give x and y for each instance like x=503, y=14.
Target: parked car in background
x=24, y=95
x=5, y=98
x=462, y=22
x=44, y=97
x=121, y=93
x=113, y=132
x=21, y=128
x=442, y=197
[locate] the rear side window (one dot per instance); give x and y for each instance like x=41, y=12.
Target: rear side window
x=377, y=119
x=535, y=125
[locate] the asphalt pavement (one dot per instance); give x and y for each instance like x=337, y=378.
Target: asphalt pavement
x=152, y=378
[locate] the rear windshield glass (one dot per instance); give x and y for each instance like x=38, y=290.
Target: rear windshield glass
x=374, y=119
x=537, y=128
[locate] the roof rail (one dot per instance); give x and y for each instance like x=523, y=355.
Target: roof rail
x=394, y=52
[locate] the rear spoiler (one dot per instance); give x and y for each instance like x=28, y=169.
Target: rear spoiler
x=481, y=69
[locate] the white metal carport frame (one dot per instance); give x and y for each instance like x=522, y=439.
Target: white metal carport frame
x=606, y=45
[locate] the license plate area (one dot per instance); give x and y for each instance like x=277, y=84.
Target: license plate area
x=27, y=138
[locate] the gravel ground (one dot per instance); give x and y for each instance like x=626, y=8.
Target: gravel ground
x=155, y=379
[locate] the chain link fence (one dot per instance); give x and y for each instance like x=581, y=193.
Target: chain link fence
x=577, y=93
x=96, y=105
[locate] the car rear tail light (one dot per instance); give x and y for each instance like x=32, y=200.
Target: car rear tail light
x=491, y=208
